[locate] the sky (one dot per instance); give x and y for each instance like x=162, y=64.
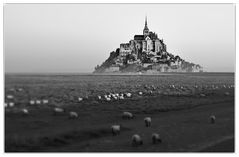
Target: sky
x=74, y=38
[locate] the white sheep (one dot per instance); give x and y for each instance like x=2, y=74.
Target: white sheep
x=147, y=121
x=227, y=93
x=5, y=104
x=115, y=129
x=20, y=89
x=127, y=115
x=45, y=101
x=11, y=104
x=136, y=140
x=31, y=102
x=140, y=93
x=108, y=99
x=115, y=97
x=212, y=119
x=58, y=110
x=38, y=102
x=80, y=99
x=202, y=95
x=156, y=138
x=73, y=115
x=121, y=97
x=128, y=95
x=99, y=97
x=10, y=96
x=25, y=111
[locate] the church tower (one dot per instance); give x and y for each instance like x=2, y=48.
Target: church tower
x=146, y=29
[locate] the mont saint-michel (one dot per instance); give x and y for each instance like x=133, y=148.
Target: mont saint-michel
x=146, y=53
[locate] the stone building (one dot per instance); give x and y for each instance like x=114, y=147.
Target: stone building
x=148, y=42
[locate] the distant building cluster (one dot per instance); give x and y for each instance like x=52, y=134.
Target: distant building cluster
x=148, y=43
x=149, y=53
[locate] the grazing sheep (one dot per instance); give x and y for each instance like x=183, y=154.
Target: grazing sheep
x=99, y=97
x=156, y=138
x=20, y=89
x=10, y=96
x=136, y=140
x=12, y=89
x=227, y=93
x=31, y=102
x=147, y=121
x=80, y=99
x=115, y=129
x=115, y=97
x=127, y=115
x=25, y=111
x=140, y=93
x=128, y=95
x=58, y=110
x=11, y=104
x=38, y=102
x=202, y=95
x=73, y=115
x=108, y=99
x=44, y=101
x=212, y=119
x=121, y=97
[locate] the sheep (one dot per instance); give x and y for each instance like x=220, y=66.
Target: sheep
x=147, y=121
x=12, y=89
x=73, y=115
x=5, y=104
x=11, y=104
x=227, y=93
x=115, y=129
x=140, y=93
x=99, y=97
x=10, y=96
x=20, y=89
x=128, y=95
x=115, y=97
x=202, y=95
x=58, y=110
x=80, y=99
x=106, y=96
x=127, y=115
x=25, y=111
x=45, y=101
x=38, y=102
x=156, y=138
x=121, y=97
x=212, y=119
x=108, y=99
x=136, y=140
x=31, y=102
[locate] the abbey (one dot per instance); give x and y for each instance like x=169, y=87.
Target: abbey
x=145, y=53
x=148, y=43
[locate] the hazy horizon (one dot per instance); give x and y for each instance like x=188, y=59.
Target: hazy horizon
x=74, y=38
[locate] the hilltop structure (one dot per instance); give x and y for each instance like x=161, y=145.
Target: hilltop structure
x=145, y=53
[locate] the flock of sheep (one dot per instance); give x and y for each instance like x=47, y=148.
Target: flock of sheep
x=136, y=139
x=149, y=89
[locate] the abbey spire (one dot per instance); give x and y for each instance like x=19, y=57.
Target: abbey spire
x=146, y=29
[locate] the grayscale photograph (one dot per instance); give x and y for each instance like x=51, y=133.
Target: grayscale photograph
x=119, y=77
